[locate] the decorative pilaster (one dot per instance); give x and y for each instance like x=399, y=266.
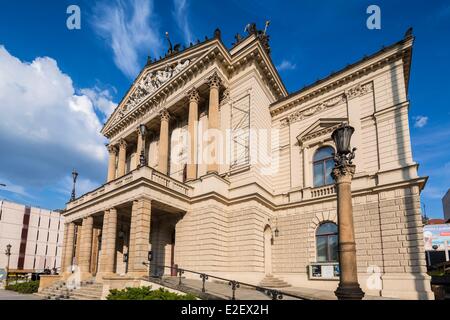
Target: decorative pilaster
x=67, y=254
x=139, y=237
x=163, y=160
x=306, y=167
x=121, y=167
x=86, y=247
x=213, y=121
x=348, y=285
x=112, y=150
x=193, y=133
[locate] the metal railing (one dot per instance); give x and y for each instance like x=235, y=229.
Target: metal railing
x=274, y=294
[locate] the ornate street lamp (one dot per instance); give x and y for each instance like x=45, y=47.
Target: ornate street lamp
x=143, y=131
x=342, y=173
x=8, y=254
x=74, y=177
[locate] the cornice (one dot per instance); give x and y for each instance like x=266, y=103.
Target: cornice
x=400, y=50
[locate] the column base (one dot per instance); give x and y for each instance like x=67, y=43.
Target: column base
x=349, y=291
x=137, y=274
x=102, y=275
x=86, y=276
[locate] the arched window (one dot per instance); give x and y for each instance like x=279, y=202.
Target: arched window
x=327, y=242
x=323, y=163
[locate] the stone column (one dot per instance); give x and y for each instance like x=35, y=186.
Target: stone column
x=103, y=257
x=193, y=133
x=67, y=254
x=213, y=122
x=112, y=162
x=109, y=236
x=121, y=166
x=86, y=247
x=348, y=288
x=139, y=237
x=163, y=160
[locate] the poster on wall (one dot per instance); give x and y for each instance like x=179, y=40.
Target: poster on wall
x=435, y=236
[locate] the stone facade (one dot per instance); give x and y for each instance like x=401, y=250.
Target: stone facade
x=222, y=180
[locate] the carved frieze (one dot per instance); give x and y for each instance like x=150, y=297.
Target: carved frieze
x=357, y=91
x=308, y=112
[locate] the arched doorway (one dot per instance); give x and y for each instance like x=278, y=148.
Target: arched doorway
x=267, y=250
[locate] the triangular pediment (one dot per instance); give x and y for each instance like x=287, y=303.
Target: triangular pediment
x=156, y=76
x=324, y=126
x=158, y=81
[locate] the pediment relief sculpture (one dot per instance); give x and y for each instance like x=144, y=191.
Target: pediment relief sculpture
x=148, y=84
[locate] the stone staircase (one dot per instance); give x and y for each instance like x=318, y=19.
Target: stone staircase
x=270, y=281
x=89, y=290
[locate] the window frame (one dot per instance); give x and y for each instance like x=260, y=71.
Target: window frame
x=322, y=162
x=327, y=236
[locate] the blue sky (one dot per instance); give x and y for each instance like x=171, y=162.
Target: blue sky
x=49, y=127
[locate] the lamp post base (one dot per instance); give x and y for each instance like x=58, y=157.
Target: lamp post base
x=350, y=291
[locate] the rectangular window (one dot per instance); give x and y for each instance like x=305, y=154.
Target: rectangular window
x=322, y=250
x=333, y=245
x=329, y=165
x=318, y=174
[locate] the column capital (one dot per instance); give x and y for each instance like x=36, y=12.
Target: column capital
x=138, y=131
x=122, y=143
x=112, y=148
x=165, y=115
x=193, y=95
x=214, y=80
x=87, y=217
x=343, y=173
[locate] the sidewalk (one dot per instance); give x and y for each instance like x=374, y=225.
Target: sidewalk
x=11, y=295
x=221, y=290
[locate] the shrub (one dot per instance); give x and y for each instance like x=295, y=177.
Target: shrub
x=24, y=287
x=145, y=293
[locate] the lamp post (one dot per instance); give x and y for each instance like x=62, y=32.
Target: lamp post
x=8, y=254
x=74, y=177
x=143, y=131
x=342, y=173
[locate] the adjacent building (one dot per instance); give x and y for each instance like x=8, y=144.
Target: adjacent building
x=35, y=236
x=446, y=205
x=215, y=167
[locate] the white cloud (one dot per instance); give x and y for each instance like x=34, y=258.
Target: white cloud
x=102, y=99
x=129, y=28
x=420, y=121
x=286, y=65
x=46, y=129
x=181, y=17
